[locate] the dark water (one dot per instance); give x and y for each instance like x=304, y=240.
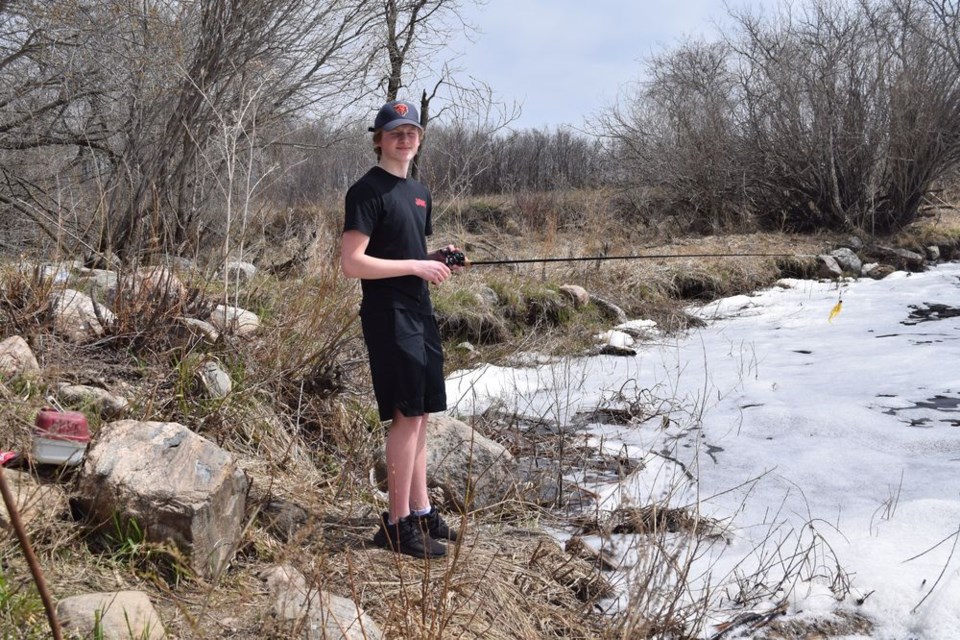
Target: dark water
x=940, y=403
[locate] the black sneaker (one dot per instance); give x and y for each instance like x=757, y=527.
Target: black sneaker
x=407, y=537
x=435, y=526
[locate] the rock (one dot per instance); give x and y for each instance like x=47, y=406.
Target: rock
x=35, y=502
x=107, y=405
x=178, y=263
x=157, y=284
x=473, y=471
x=466, y=347
x=75, y=316
x=903, y=258
x=16, y=358
x=59, y=273
x=615, y=350
x=233, y=320
x=541, y=482
x=160, y=283
x=609, y=310
x=100, y=279
x=933, y=253
x=282, y=518
x=487, y=297
x=121, y=615
x=577, y=294
x=854, y=243
x=237, y=271
x=828, y=267
x=216, y=382
x=190, y=331
x=615, y=338
x=639, y=329
x=847, y=260
x=877, y=271
x=174, y=483
x=317, y=615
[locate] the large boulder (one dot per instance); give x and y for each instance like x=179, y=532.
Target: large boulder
x=473, y=471
x=176, y=485
x=117, y=615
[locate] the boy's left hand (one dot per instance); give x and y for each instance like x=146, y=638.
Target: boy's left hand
x=443, y=254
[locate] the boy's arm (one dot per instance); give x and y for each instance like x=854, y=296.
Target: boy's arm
x=355, y=263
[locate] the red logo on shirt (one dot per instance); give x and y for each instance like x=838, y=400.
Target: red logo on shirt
x=401, y=109
x=420, y=202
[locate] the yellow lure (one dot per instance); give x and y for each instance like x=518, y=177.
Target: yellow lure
x=835, y=311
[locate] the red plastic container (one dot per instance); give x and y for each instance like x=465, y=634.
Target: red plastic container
x=60, y=437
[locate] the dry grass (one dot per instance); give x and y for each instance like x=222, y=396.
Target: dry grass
x=300, y=422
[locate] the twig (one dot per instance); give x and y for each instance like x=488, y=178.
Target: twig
x=750, y=620
x=31, y=557
x=956, y=538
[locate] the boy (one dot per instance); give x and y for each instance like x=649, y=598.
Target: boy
x=388, y=217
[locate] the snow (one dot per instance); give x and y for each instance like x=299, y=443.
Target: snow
x=841, y=436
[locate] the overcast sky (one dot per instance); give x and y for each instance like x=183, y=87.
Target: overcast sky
x=565, y=60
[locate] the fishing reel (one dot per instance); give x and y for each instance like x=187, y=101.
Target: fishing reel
x=453, y=258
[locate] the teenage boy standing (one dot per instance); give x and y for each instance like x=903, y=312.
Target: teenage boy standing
x=388, y=217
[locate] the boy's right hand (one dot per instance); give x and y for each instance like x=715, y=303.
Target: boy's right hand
x=432, y=271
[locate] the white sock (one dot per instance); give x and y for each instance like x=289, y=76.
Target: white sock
x=421, y=512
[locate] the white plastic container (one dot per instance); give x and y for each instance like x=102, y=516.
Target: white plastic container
x=60, y=437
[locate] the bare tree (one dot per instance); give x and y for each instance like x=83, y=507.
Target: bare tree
x=676, y=137
x=414, y=31
x=829, y=115
x=45, y=88
x=815, y=116
x=127, y=99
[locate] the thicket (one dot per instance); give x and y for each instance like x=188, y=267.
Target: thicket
x=823, y=115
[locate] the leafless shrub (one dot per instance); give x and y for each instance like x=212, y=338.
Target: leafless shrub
x=116, y=115
x=826, y=116
x=676, y=137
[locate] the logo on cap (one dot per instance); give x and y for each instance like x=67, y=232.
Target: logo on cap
x=401, y=109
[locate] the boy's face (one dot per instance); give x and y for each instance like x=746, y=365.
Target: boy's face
x=400, y=144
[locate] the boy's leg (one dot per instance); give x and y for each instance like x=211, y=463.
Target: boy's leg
x=419, y=498
x=402, y=445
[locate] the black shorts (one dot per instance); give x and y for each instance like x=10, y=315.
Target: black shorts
x=406, y=362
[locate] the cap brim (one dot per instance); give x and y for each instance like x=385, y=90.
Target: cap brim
x=393, y=124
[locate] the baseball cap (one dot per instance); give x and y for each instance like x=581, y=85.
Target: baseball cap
x=395, y=113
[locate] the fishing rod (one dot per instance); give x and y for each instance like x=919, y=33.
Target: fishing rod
x=458, y=259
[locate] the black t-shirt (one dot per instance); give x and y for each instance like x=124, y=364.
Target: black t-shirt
x=395, y=213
